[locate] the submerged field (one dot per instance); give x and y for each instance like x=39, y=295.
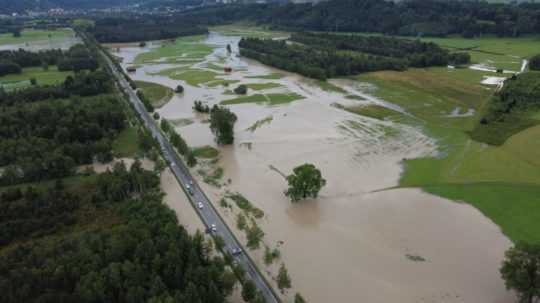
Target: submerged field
x=358, y=131
x=502, y=181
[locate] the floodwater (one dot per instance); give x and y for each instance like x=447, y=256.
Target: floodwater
x=354, y=243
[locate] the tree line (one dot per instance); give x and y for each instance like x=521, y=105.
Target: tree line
x=144, y=257
x=411, y=18
x=77, y=58
x=417, y=53
x=49, y=140
x=314, y=62
x=111, y=30
x=80, y=84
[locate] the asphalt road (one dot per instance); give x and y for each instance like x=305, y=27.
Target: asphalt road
x=207, y=213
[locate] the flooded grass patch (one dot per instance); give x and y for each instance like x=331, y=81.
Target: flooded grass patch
x=262, y=86
x=272, y=76
x=415, y=258
x=272, y=99
x=212, y=176
x=181, y=122
x=371, y=110
x=182, y=48
x=245, y=205
x=260, y=123
x=158, y=94
x=193, y=77
x=355, y=97
x=225, y=83
x=329, y=87
x=207, y=152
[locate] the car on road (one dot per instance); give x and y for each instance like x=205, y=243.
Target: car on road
x=236, y=251
x=213, y=227
x=200, y=205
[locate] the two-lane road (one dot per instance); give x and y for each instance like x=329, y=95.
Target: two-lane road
x=207, y=213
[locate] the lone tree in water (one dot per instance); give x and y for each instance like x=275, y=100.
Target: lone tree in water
x=521, y=271
x=222, y=124
x=283, y=280
x=306, y=181
x=179, y=89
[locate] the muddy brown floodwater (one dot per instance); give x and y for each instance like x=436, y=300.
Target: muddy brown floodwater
x=353, y=243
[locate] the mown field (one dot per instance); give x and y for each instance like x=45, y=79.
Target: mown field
x=43, y=77
x=501, y=181
x=182, y=50
x=31, y=35
x=505, y=53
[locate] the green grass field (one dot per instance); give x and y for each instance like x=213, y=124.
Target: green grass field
x=126, y=144
x=373, y=111
x=272, y=76
x=272, y=99
x=501, y=181
x=221, y=82
x=31, y=35
x=247, y=30
x=158, y=94
x=184, y=49
x=206, y=152
x=193, y=77
x=22, y=80
x=505, y=53
x=262, y=86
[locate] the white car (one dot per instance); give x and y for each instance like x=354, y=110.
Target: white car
x=213, y=227
x=200, y=205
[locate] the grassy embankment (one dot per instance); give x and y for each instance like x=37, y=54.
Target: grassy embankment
x=43, y=77
x=503, y=181
x=158, y=94
x=505, y=53
x=36, y=36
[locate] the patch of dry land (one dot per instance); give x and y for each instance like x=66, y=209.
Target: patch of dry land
x=354, y=243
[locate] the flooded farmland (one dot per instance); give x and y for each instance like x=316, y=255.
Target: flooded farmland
x=357, y=241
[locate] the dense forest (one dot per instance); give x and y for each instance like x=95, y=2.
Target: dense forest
x=77, y=236
x=77, y=58
x=49, y=140
x=510, y=108
x=411, y=17
x=140, y=255
x=149, y=28
x=323, y=56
